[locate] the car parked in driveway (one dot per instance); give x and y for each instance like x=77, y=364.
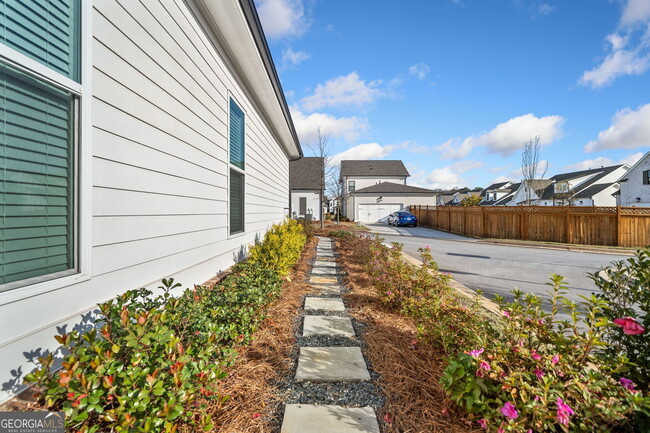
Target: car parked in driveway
x=402, y=218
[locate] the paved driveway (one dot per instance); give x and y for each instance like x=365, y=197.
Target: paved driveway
x=497, y=269
x=385, y=229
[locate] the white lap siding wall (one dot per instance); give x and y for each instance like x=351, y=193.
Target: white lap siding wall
x=159, y=171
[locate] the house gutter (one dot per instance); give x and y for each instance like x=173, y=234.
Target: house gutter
x=253, y=20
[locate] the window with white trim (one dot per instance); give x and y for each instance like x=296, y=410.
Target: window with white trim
x=351, y=185
x=237, y=165
x=39, y=105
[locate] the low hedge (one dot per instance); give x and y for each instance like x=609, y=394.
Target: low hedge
x=154, y=361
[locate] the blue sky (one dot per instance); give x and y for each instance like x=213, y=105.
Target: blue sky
x=455, y=87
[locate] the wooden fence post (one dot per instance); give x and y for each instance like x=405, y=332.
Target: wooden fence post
x=567, y=225
x=619, y=235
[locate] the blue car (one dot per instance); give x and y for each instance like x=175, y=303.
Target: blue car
x=402, y=218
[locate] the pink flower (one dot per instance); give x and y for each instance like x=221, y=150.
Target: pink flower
x=505, y=313
x=501, y=430
x=389, y=293
x=484, y=365
x=555, y=359
x=564, y=412
x=630, y=326
x=627, y=383
x=539, y=373
x=537, y=398
x=536, y=356
x=509, y=411
x=482, y=423
x=475, y=352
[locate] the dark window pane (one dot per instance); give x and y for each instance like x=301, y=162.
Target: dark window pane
x=236, y=202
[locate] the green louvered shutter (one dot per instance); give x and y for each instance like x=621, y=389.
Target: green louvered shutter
x=236, y=202
x=237, y=150
x=48, y=31
x=36, y=178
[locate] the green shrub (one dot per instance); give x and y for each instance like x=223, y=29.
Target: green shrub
x=542, y=374
x=307, y=228
x=281, y=247
x=154, y=356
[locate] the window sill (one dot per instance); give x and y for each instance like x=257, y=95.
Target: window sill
x=20, y=293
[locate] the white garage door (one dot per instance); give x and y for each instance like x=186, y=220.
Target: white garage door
x=372, y=213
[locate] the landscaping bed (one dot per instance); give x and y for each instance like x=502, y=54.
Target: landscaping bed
x=446, y=366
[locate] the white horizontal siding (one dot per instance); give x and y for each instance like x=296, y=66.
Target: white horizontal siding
x=159, y=168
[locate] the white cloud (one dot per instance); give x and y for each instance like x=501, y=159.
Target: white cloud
x=451, y=175
x=347, y=128
x=363, y=151
x=344, y=90
x=420, y=70
x=630, y=129
x=282, y=18
x=291, y=58
x=506, y=138
x=636, y=11
x=544, y=9
x=628, y=47
x=499, y=179
x=602, y=161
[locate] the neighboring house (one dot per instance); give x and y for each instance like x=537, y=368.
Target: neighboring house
x=373, y=189
x=306, y=180
x=593, y=187
x=146, y=140
x=508, y=197
x=457, y=198
x=635, y=184
x=495, y=192
x=529, y=192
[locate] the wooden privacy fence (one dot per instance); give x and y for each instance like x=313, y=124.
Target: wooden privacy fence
x=614, y=226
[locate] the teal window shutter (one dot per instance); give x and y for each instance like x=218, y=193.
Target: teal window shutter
x=236, y=201
x=237, y=134
x=37, y=221
x=48, y=31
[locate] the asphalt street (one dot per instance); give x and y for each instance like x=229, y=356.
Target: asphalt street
x=498, y=269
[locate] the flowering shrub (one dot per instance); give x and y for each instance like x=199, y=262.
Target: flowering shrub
x=420, y=292
x=281, y=247
x=625, y=289
x=152, y=357
x=543, y=374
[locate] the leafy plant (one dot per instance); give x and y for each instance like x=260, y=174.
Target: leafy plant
x=152, y=357
x=281, y=247
x=545, y=374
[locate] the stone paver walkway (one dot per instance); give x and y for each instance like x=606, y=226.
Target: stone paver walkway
x=328, y=364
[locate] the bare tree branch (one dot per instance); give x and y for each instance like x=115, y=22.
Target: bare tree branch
x=530, y=166
x=322, y=148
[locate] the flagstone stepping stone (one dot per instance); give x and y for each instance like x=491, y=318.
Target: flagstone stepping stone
x=326, y=259
x=324, y=254
x=324, y=271
x=331, y=364
x=312, y=418
x=331, y=326
x=320, y=289
x=324, y=264
x=318, y=279
x=325, y=304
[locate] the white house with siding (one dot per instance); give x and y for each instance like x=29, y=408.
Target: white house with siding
x=140, y=140
x=373, y=189
x=635, y=184
x=306, y=180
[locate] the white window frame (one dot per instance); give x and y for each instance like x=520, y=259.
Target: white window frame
x=83, y=175
x=234, y=167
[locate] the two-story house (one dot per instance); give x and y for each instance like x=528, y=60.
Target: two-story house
x=373, y=189
x=306, y=181
x=635, y=184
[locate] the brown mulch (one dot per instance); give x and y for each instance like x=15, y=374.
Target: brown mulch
x=410, y=370
x=253, y=405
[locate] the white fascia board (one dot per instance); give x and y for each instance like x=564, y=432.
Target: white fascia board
x=230, y=27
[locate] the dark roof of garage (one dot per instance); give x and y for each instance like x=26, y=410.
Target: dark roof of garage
x=305, y=173
x=390, y=187
x=373, y=168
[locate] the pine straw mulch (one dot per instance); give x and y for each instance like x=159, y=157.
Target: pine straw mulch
x=410, y=370
x=254, y=405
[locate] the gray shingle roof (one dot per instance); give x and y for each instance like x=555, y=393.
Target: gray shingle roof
x=305, y=173
x=373, y=168
x=592, y=190
x=390, y=187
